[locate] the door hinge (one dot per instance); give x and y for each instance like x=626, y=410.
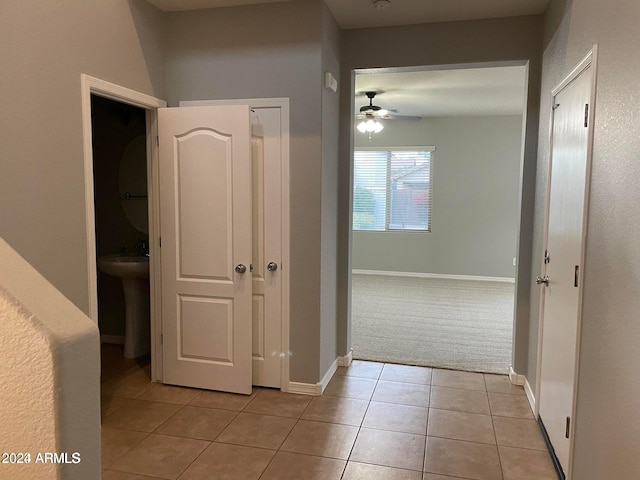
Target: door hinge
x=566, y=430
x=586, y=115
x=160, y=241
x=161, y=339
x=576, y=272
x=547, y=257
x=157, y=141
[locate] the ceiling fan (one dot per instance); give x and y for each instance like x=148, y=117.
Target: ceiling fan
x=370, y=114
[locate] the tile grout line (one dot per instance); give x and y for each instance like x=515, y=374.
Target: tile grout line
x=493, y=426
x=421, y=471
x=277, y=450
x=426, y=438
x=361, y=421
x=127, y=450
x=203, y=450
x=377, y=379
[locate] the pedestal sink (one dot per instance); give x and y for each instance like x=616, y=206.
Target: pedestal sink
x=134, y=272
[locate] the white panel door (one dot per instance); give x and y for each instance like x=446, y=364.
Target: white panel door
x=205, y=215
x=267, y=245
x=269, y=121
x=565, y=240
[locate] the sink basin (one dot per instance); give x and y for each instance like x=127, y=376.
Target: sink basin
x=134, y=272
x=124, y=266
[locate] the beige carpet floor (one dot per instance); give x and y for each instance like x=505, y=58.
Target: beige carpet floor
x=458, y=324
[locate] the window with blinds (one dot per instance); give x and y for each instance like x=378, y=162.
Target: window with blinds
x=392, y=189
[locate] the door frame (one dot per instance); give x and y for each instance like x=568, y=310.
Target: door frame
x=590, y=60
x=514, y=377
x=95, y=86
x=283, y=104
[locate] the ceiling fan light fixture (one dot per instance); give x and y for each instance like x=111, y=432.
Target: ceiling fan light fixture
x=381, y=4
x=370, y=125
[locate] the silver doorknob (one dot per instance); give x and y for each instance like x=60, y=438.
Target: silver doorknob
x=240, y=268
x=541, y=280
x=272, y=266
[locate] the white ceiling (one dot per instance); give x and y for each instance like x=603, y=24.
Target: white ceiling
x=363, y=14
x=181, y=5
x=444, y=93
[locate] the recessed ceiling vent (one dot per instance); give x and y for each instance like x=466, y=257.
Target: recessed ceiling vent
x=381, y=4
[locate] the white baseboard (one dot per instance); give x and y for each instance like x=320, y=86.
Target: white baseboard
x=317, y=388
x=329, y=375
x=515, y=378
x=314, y=389
x=530, y=396
x=433, y=275
x=346, y=360
x=112, y=339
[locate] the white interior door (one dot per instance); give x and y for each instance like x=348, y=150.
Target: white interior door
x=267, y=245
x=565, y=242
x=205, y=214
x=269, y=120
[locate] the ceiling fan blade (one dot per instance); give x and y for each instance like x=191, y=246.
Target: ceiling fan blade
x=401, y=117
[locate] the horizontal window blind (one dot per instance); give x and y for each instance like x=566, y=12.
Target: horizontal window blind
x=392, y=189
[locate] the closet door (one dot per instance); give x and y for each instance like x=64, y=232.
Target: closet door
x=267, y=245
x=205, y=212
x=562, y=277
x=270, y=134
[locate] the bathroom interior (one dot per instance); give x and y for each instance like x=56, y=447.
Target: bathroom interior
x=122, y=234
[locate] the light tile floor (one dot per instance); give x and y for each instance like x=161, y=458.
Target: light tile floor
x=375, y=421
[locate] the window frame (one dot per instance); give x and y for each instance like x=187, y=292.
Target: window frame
x=389, y=151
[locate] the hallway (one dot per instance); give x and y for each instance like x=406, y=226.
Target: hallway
x=374, y=421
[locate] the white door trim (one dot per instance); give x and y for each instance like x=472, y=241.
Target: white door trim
x=282, y=103
x=590, y=60
x=91, y=85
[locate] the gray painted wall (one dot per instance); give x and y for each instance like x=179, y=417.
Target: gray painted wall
x=498, y=40
x=476, y=176
x=272, y=50
x=44, y=47
x=608, y=412
x=329, y=246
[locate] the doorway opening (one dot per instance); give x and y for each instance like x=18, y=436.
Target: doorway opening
x=436, y=214
x=129, y=118
x=121, y=233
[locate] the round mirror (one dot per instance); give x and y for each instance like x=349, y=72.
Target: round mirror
x=133, y=184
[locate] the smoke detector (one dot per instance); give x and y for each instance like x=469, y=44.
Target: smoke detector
x=381, y=4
